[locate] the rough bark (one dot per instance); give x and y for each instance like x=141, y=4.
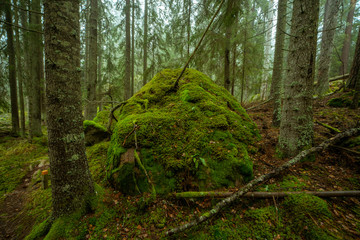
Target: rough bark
x=71, y=183
x=20, y=74
x=91, y=106
x=226, y=202
x=188, y=26
x=133, y=48
x=355, y=73
x=227, y=82
x=296, y=127
x=146, y=9
x=34, y=87
x=328, y=33
x=12, y=69
x=276, y=84
x=344, y=68
x=268, y=26
x=233, y=71
x=127, y=81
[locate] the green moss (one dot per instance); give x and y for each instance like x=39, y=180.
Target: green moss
x=102, y=118
x=88, y=123
x=197, y=137
x=97, y=155
x=343, y=101
x=302, y=210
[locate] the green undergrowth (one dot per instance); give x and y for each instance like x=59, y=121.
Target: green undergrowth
x=97, y=155
x=344, y=101
x=197, y=137
x=288, y=184
x=16, y=154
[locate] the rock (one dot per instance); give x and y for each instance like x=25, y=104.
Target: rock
x=94, y=133
x=195, y=138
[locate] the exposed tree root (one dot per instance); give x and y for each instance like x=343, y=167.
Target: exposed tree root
x=227, y=201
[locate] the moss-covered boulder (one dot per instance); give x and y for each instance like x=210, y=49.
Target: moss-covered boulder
x=94, y=133
x=197, y=137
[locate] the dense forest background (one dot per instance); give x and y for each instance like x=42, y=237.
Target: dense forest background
x=125, y=43
x=277, y=69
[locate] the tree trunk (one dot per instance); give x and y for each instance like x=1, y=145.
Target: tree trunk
x=227, y=82
x=91, y=105
x=99, y=84
x=34, y=87
x=71, y=183
x=244, y=63
x=344, y=68
x=277, y=81
x=267, y=51
x=233, y=71
x=296, y=127
x=189, y=27
x=133, y=48
x=355, y=73
x=145, y=42
x=20, y=74
x=127, y=82
x=328, y=32
x=12, y=69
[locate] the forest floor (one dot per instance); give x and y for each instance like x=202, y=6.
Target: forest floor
x=24, y=204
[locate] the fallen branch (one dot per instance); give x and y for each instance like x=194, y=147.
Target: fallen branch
x=111, y=115
x=341, y=77
x=247, y=109
x=332, y=129
x=324, y=194
x=346, y=149
x=227, y=201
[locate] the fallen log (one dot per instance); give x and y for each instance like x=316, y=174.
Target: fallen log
x=345, y=76
x=227, y=201
x=323, y=194
x=332, y=129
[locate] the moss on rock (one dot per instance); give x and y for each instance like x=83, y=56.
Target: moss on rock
x=197, y=137
x=94, y=133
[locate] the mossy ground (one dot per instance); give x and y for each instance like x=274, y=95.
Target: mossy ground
x=197, y=137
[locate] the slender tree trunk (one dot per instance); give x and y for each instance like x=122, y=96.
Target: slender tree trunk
x=87, y=39
x=145, y=42
x=71, y=183
x=20, y=74
x=233, y=72
x=127, y=82
x=35, y=71
x=99, y=70
x=296, y=127
x=189, y=27
x=275, y=92
x=133, y=49
x=12, y=69
x=244, y=63
x=91, y=106
x=344, y=68
x=227, y=82
x=267, y=52
x=331, y=10
x=355, y=73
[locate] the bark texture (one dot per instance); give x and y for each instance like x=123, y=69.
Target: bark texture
x=132, y=47
x=145, y=73
x=277, y=81
x=20, y=74
x=12, y=69
x=328, y=32
x=91, y=106
x=127, y=81
x=296, y=127
x=72, y=186
x=355, y=73
x=344, y=68
x=34, y=87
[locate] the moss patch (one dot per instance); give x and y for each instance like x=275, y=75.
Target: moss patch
x=94, y=133
x=195, y=138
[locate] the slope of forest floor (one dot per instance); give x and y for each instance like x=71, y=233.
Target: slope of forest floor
x=24, y=204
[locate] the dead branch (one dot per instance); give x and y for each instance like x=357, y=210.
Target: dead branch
x=247, y=109
x=324, y=194
x=111, y=115
x=227, y=201
x=341, y=77
x=332, y=129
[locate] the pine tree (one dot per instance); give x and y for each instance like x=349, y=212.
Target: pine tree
x=12, y=69
x=296, y=127
x=127, y=82
x=355, y=73
x=71, y=183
